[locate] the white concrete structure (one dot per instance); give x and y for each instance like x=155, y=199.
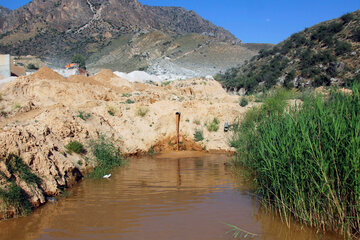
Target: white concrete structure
x=5, y=66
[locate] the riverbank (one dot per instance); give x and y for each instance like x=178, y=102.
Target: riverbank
x=44, y=112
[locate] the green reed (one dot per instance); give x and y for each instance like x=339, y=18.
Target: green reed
x=305, y=159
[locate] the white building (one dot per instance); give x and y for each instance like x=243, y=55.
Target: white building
x=5, y=70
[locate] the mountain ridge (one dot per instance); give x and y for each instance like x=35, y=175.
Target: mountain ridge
x=54, y=30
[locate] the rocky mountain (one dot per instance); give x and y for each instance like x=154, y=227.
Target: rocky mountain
x=3, y=13
x=56, y=29
x=325, y=54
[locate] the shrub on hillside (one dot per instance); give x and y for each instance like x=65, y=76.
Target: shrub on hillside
x=356, y=35
x=288, y=79
x=244, y=102
x=347, y=17
x=342, y=47
x=198, y=135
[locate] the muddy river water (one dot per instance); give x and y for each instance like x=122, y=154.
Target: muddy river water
x=167, y=196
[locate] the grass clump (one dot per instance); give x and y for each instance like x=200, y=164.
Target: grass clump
x=244, y=102
x=75, y=146
x=305, y=161
x=84, y=116
x=165, y=83
x=17, y=106
x=107, y=156
x=16, y=166
x=14, y=198
x=142, y=111
x=198, y=135
x=111, y=110
x=129, y=101
x=197, y=122
x=213, y=126
x=126, y=95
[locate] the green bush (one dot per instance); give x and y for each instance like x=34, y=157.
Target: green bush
x=198, y=135
x=288, y=79
x=75, y=146
x=326, y=31
x=305, y=161
x=321, y=80
x=342, y=47
x=244, y=102
x=16, y=198
x=79, y=59
x=347, y=17
x=107, y=156
x=213, y=126
x=356, y=35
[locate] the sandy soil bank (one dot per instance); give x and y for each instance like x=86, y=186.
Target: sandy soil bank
x=40, y=114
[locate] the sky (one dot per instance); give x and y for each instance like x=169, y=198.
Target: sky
x=255, y=21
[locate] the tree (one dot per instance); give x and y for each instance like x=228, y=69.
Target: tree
x=79, y=59
x=289, y=78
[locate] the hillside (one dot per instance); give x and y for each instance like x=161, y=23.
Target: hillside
x=159, y=53
x=325, y=54
x=122, y=35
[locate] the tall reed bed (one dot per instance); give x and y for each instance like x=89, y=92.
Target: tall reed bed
x=305, y=159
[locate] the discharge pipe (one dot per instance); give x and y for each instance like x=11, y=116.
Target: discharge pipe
x=178, y=114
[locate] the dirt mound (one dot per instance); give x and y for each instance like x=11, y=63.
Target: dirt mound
x=78, y=78
x=104, y=75
x=200, y=87
x=170, y=144
x=48, y=74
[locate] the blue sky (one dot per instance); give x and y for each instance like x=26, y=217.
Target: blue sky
x=260, y=21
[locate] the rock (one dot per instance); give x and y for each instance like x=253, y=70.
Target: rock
x=242, y=92
x=336, y=67
x=335, y=81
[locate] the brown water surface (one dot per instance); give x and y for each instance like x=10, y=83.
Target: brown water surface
x=168, y=196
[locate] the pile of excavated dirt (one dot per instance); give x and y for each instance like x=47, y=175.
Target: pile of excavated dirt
x=48, y=74
x=106, y=76
x=40, y=114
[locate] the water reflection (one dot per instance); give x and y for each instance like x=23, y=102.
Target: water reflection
x=165, y=197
